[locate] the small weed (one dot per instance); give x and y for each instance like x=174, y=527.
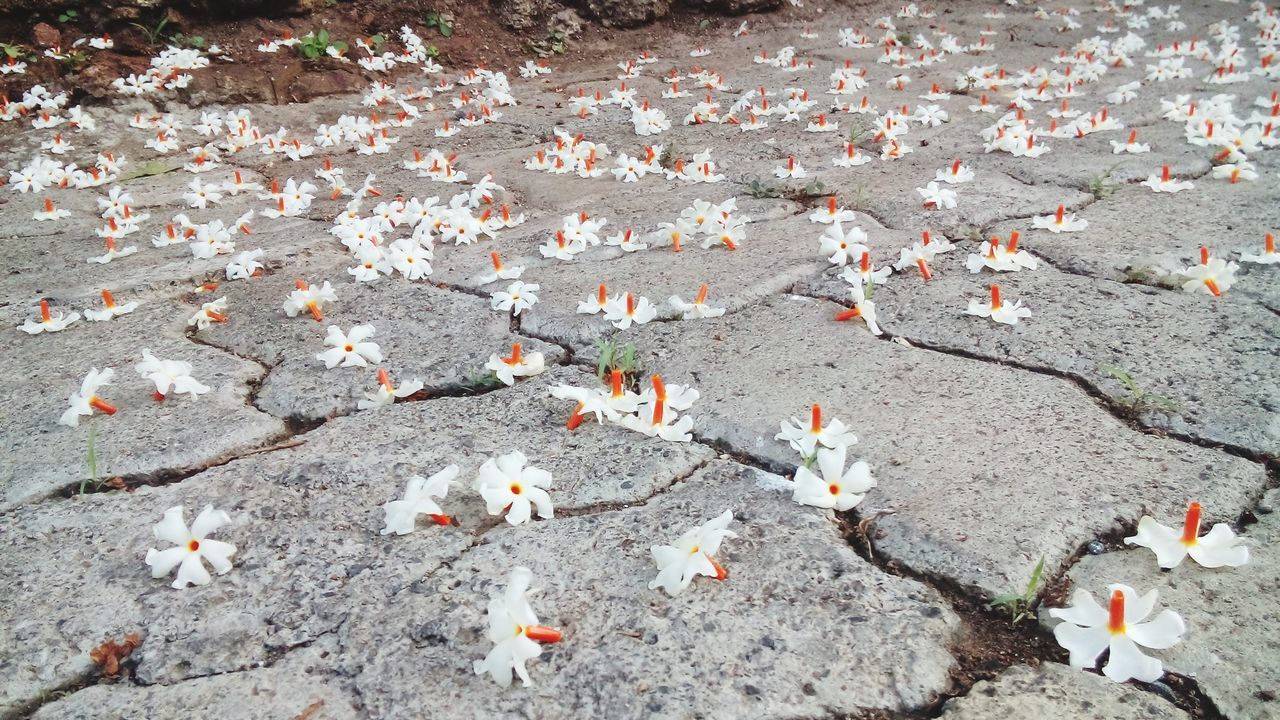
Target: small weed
x=668, y=157
x=68, y=16
x=1139, y=399
x=153, y=33
x=188, y=41
x=814, y=189
x=479, y=381
x=441, y=22
x=553, y=44
x=377, y=42
x=861, y=197
x=316, y=44
x=92, y=456
x=1019, y=604
x=1100, y=185
x=703, y=24
x=13, y=51
x=612, y=356
x=758, y=190
x=905, y=39
x=74, y=60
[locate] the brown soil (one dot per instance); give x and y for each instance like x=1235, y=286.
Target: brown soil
x=479, y=39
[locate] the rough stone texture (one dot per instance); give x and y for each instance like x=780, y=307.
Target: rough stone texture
x=439, y=337
x=1226, y=649
x=1053, y=690
x=306, y=521
x=1082, y=327
x=287, y=689
x=144, y=437
x=981, y=468
x=789, y=634
x=1147, y=249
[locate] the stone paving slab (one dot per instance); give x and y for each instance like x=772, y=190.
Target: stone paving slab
x=1053, y=690
x=145, y=436
x=1224, y=649
x=1089, y=329
x=439, y=337
x=981, y=468
x=306, y=520
x=788, y=634
x=1166, y=237
x=288, y=689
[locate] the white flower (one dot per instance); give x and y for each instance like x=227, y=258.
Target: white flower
x=697, y=309
x=843, y=246
x=507, y=485
x=836, y=488
x=387, y=393
x=679, y=564
x=517, y=297
x=1269, y=255
x=1213, y=276
x=49, y=321
x=110, y=309
x=244, y=265
x=1087, y=629
x=805, y=440
x=997, y=310
x=350, y=349
x=1060, y=221
x=209, y=312
x=518, y=364
x=514, y=632
x=626, y=309
x=200, y=195
x=1219, y=547
x=402, y=515
x=169, y=376
x=1165, y=182
x=937, y=197
x=192, y=547
x=309, y=297
x=86, y=399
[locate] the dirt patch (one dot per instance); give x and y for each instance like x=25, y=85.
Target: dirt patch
x=478, y=38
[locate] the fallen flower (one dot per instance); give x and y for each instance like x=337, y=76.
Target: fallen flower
x=401, y=516
x=507, y=485
x=1219, y=547
x=1165, y=182
x=1087, y=630
x=192, y=547
x=517, y=297
x=110, y=309
x=169, y=376
x=309, y=297
x=49, y=321
x=387, y=393
x=516, y=365
x=691, y=555
x=997, y=310
x=1213, y=275
x=1269, y=255
x=697, y=309
x=209, y=312
x=515, y=633
x=1060, y=222
x=835, y=488
x=805, y=440
x=350, y=349
x=86, y=400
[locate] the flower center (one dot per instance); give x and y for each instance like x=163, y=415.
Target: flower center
x=193, y=545
x=1115, y=620
x=349, y=348
x=1191, y=526
x=834, y=489
x=516, y=489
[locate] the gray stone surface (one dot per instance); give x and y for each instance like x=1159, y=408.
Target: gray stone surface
x=1225, y=649
x=291, y=688
x=1088, y=329
x=1057, y=691
x=981, y=468
x=788, y=634
x=439, y=337
x=144, y=437
x=306, y=520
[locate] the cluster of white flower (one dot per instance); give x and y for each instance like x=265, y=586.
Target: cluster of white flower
x=653, y=412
